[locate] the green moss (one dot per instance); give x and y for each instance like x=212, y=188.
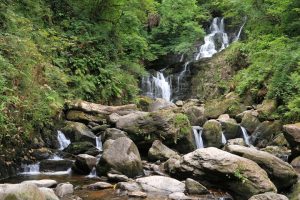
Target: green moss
x=182, y=123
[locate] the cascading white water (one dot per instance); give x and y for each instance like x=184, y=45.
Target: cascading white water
x=32, y=169
x=63, y=141
x=197, y=130
x=237, y=37
x=99, y=143
x=245, y=136
x=224, y=141
x=93, y=173
x=217, y=33
x=55, y=157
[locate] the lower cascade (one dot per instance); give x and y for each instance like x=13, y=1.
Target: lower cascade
x=63, y=141
x=197, y=130
x=223, y=139
x=99, y=143
x=246, y=137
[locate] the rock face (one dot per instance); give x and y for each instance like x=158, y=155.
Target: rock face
x=214, y=167
x=159, y=151
x=172, y=128
x=20, y=192
x=122, y=156
x=281, y=173
x=78, y=132
x=269, y=196
x=79, y=116
x=194, y=187
x=292, y=134
x=159, y=104
x=84, y=164
x=212, y=134
x=55, y=165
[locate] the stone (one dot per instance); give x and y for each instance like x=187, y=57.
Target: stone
x=265, y=132
x=250, y=121
x=194, y=187
x=99, y=186
x=20, y=192
x=296, y=162
x=113, y=134
x=64, y=189
x=179, y=103
x=79, y=147
x=269, y=196
x=113, y=118
x=292, y=135
x=212, y=134
x=280, y=152
x=80, y=116
x=46, y=183
x=279, y=140
x=160, y=104
x=236, y=141
x=178, y=196
x=195, y=114
x=241, y=177
x=159, y=151
x=226, y=118
x=100, y=128
x=84, y=164
x=78, y=132
x=295, y=192
x=160, y=184
x=49, y=193
x=266, y=109
x=137, y=194
x=55, y=165
x=231, y=129
x=40, y=154
x=281, y=173
x=122, y=156
x=128, y=186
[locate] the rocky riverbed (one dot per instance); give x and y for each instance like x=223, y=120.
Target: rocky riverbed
x=148, y=150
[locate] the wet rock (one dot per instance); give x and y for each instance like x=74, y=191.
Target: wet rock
x=121, y=155
x=64, y=189
x=99, y=186
x=113, y=134
x=212, y=133
x=250, y=121
x=20, y=192
x=281, y=173
x=236, y=141
x=160, y=104
x=292, y=134
x=195, y=114
x=226, y=118
x=55, y=165
x=100, y=128
x=194, y=187
x=266, y=109
x=268, y=196
x=179, y=103
x=49, y=194
x=179, y=196
x=84, y=164
x=79, y=147
x=40, y=154
x=265, y=132
x=296, y=162
x=47, y=183
x=128, y=186
x=137, y=194
x=93, y=151
x=159, y=151
x=279, y=140
x=7, y=169
x=230, y=129
x=79, y=116
x=78, y=132
x=214, y=167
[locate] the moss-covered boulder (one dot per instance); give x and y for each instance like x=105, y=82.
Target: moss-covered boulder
x=78, y=132
x=230, y=128
x=266, y=109
x=79, y=147
x=144, y=102
x=160, y=104
x=195, y=114
x=292, y=134
x=250, y=121
x=80, y=116
x=212, y=134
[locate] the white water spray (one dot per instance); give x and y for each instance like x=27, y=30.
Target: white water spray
x=197, y=130
x=63, y=141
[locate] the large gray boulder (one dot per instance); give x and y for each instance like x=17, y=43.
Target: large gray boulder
x=49, y=193
x=78, y=132
x=159, y=151
x=269, y=196
x=20, y=192
x=113, y=134
x=80, y=116
x=292, y=134
x=120, y=155
x=195, y=114
x=281, y=173
x=84, y=164
x=64, y=189
x=212, y=134
x=47, y=183
x=159, y=104
x=194, y=187
x=242, y=177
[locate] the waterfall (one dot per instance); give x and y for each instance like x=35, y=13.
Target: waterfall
x=99, y=143
x=245, y=136
x=197, y=130
x=93, y=173
x=32, y=169
x=237, y=37
x=55, y=157
x=157, y=86
x=223, y=139
x=63, y=141
x=217, y=34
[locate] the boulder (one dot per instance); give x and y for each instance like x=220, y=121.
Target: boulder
x=212, y=134
x=159, y=151
x=172, y=128
x=55, y=165
x=7, y=169
x=99, y=186
x=49, y=194
x=113, y=134
x=280, y=152
x=266, y=109
x=292, y=134
x=279, y=140
x=40, y=154
x=231, y=129
x=137, y=194
x=242, y=177
x=265, y=132
x=100, y=109
x=99, y=128
x=113, y=118
x=250, y=121
x=295, y=192
x=80, y=116
x=179, y=103
x=128, y=186
x=78, y=132
x=194, y=187
x=296, y=162
x=226, y=118
x=160, y=104
x=64, y=189
x=179, y=196
x=236, y=141
x=84, y=164
x=46, y=183
x=281, y=173
x=79, y=147
x=20, y=192
x=122, y=156
x=195, y=114
x=269, y=196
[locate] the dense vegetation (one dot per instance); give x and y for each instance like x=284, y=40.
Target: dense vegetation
x=54, y=50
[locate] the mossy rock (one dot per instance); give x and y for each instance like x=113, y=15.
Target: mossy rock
x=144, y=102
x=267, y=109
x=79, y=147
x=212, y=134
